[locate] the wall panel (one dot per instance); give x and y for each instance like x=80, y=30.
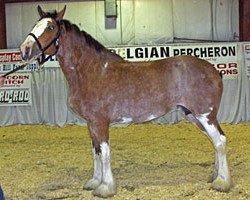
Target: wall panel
x=83, y=14
x=192, y=19
x=138, y=21
x=153, y=21
x=107, y=36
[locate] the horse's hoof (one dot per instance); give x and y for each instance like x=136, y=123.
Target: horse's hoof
x=92, y=184
x=105, y=191
x=221, y=185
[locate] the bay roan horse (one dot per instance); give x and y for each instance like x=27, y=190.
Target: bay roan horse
x=105, y=89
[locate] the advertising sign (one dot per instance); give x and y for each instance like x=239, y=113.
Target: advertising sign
x=16, y=90
x=223, y=56
x=246, y=49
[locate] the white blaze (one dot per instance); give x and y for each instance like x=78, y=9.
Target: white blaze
x=38, y=30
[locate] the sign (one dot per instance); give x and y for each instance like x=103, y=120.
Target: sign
x=16, y=90
x=246, y=49
x=145, y=53
x=10, y=59
x=223, y=56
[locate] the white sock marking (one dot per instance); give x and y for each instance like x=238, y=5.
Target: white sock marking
x=219, y=142
x=107, y=177
x=97, y=166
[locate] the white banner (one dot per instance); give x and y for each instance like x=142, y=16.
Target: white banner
x=16, y=90
x=142, y=53
x=246, y=49
x=223, y=56
x=11, y=58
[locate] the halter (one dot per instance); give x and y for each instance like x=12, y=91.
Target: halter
x=54, y=41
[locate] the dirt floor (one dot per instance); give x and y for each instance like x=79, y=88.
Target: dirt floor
x=149, y=162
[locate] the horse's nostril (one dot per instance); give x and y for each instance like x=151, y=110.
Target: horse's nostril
x=25, y=54
x=27, y=50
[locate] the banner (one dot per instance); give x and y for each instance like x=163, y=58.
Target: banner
x=223, y=56
x=246, y=49
x=11, y=58
x=145, y=53
x=16, y=90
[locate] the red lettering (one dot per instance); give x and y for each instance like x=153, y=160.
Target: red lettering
x=15, y=77
x=20, y=82
x=14, y=82
x=221, y=66
x=25, y=77
x=229, y=71
x=247, y=47
x=232, y=65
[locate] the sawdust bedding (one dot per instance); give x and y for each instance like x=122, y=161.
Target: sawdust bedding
x=149, y=161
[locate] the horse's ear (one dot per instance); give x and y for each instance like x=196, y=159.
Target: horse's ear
x=40, y=11
x=61, y=13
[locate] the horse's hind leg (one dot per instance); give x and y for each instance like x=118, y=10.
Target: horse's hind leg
x=220, y=179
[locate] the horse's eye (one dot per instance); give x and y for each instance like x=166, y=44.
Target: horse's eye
x=51, y=27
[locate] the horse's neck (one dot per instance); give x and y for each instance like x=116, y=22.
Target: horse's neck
x=78, y=59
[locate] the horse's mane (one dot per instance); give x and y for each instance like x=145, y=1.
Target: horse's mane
x=69, y=27
x=88, y=38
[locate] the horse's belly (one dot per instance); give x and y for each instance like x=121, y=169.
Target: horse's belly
x=141, y=111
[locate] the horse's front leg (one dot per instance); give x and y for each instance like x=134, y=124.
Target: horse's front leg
x=93, y=183
x=102, y=182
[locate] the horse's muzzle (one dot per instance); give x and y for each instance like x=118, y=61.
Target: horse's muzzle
x=30, y=53
x=26, y=53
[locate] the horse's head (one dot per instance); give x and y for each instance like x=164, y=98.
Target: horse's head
x=43, y=39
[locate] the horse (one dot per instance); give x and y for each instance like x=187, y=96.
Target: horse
x=104, y=89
